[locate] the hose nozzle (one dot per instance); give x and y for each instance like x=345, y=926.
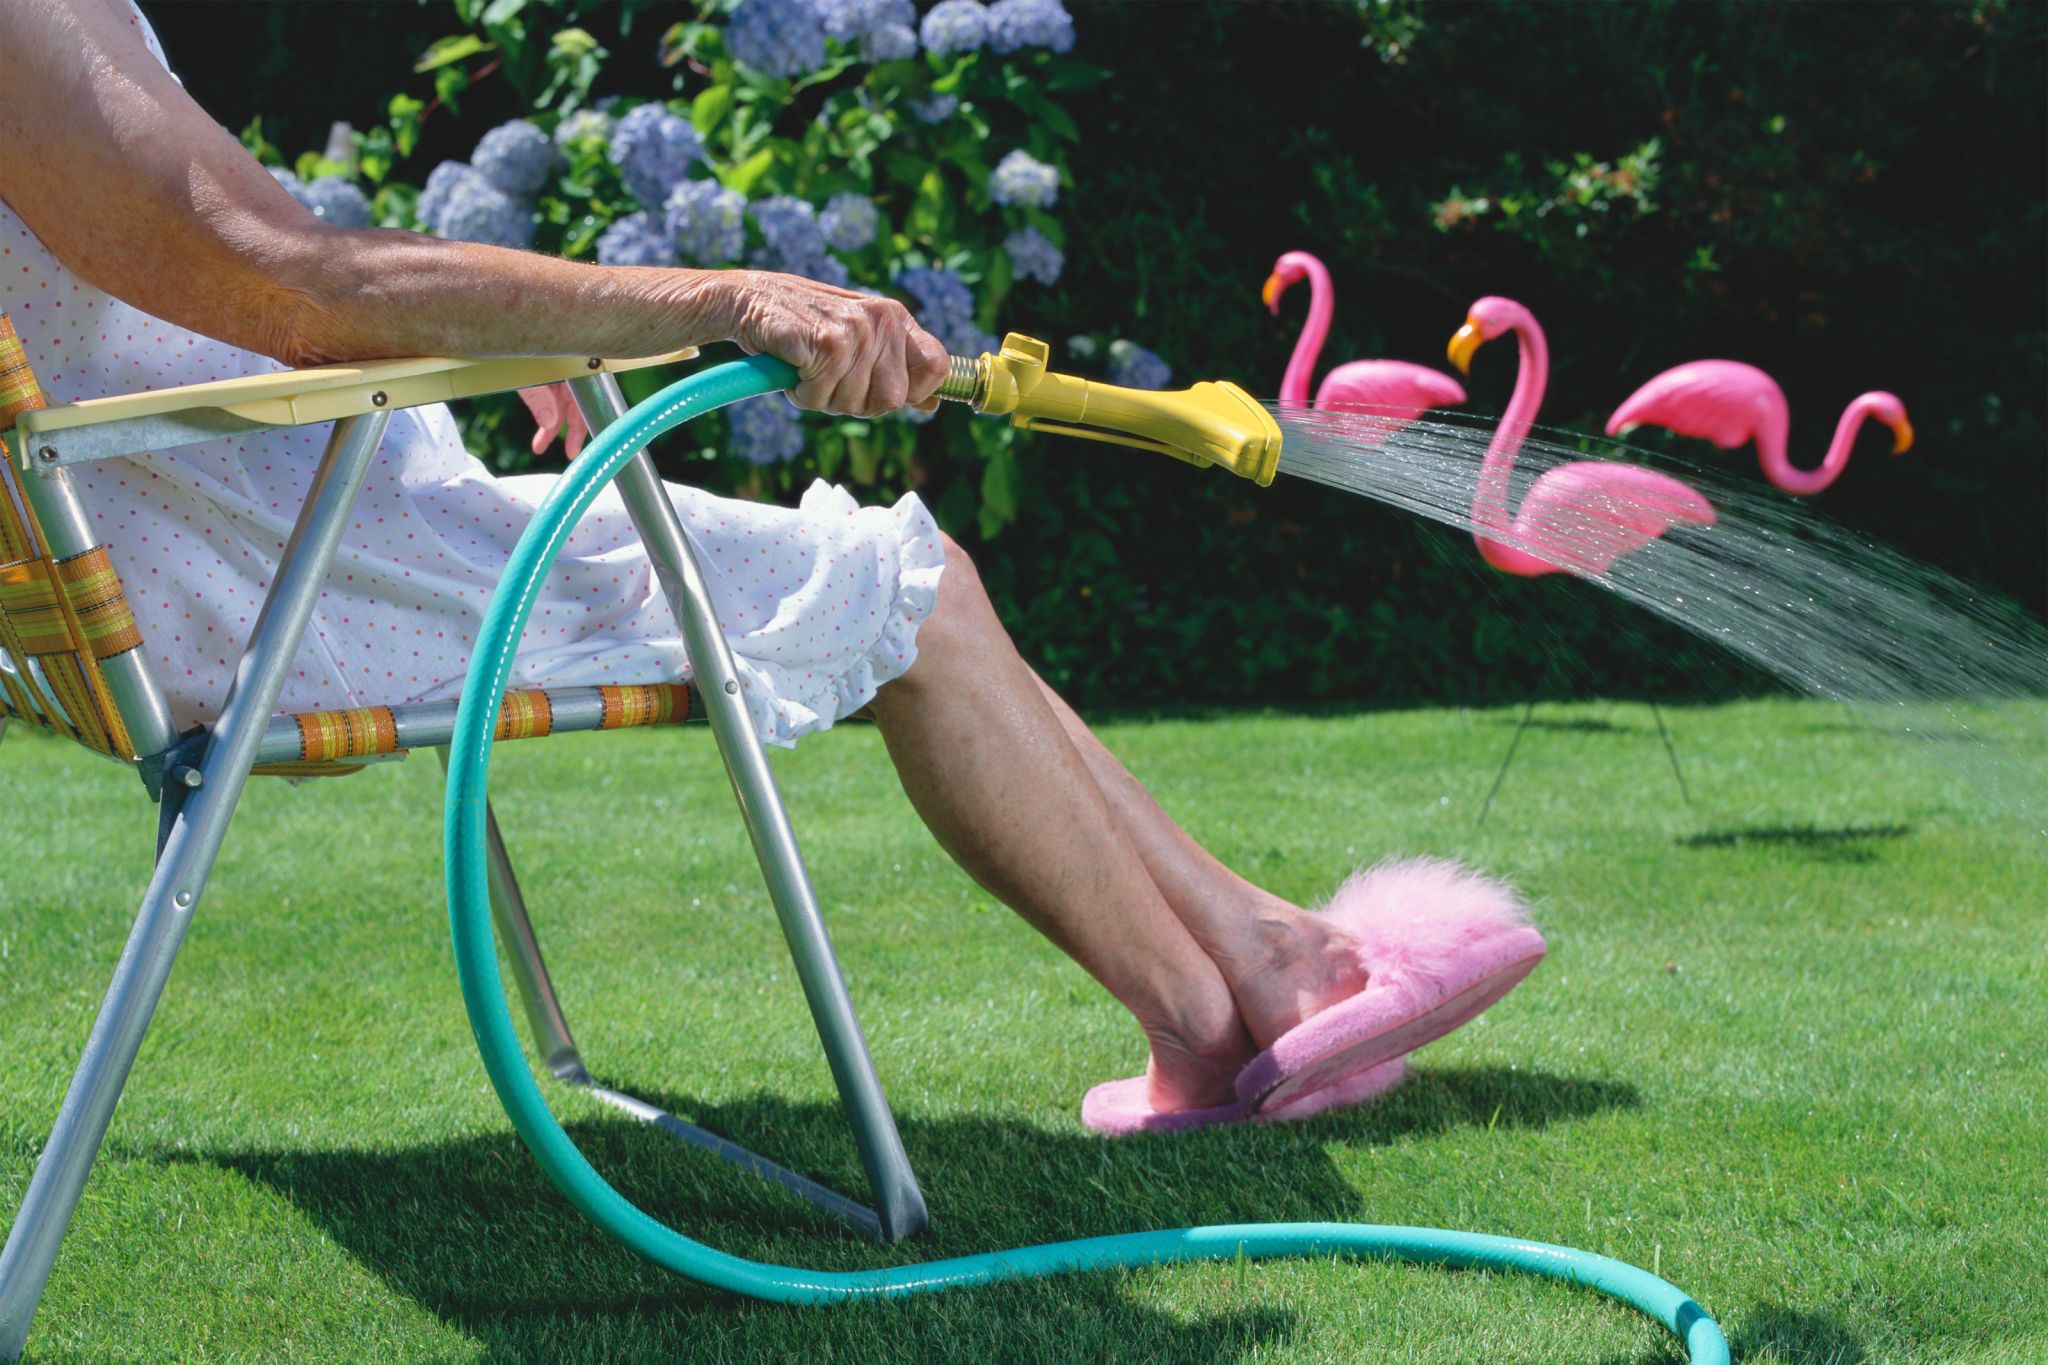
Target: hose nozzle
x=1212, y=423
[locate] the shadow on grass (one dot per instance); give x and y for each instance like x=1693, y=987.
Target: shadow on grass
x=1775, y=1333
x=471, y=1230
x=1850, y=844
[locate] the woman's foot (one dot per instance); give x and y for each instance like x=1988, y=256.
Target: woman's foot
x=1285, y=966
x=1196, y=1056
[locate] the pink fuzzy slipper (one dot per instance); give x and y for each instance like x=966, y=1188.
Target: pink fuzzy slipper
x=1120, y=1108
x=1439, y=943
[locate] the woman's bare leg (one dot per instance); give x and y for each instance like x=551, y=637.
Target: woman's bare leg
x=1282, y=963
x=990, y=765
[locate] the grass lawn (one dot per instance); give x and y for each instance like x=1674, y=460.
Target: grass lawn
x=1787, y=1050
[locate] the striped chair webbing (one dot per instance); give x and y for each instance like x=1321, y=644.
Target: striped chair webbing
x=328, y=740
x=66, y=614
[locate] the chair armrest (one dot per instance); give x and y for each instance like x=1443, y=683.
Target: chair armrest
x=160, y=419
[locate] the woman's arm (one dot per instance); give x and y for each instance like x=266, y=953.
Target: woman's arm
x=137, y=190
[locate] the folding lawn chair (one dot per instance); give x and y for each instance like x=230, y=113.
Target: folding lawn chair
x=71, y=661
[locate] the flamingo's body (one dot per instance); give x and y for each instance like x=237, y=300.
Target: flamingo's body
x=1393, y=390
x=1732, y=404
x=1577, y=518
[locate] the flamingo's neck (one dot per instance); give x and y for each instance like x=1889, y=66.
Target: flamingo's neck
x=1490, y=502
x=1301, y=365
x=1778, y=467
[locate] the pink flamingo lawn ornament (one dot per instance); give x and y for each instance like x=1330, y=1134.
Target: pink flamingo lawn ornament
x=1576, y=518
x=1732, y=404
x=1392, y=390
x=1581, y=516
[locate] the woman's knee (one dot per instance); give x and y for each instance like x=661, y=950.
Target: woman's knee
x=962, y=614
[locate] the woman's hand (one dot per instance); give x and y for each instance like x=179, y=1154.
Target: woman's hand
x=857, y=354
x=555, y=414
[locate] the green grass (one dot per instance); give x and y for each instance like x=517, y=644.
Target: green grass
x=1787, y=1050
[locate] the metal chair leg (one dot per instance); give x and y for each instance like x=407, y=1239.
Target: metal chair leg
x=898, y=1201
x=551, y=1036
x=180, y=880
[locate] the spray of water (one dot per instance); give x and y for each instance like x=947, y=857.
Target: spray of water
x=1824, y=608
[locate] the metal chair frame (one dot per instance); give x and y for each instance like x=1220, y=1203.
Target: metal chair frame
x=197, y=778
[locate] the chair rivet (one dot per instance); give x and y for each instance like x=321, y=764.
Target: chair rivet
x=732, y=685
x=48, y=453
x=187, y=777
x=183, y=898
x=594, y=363
x=378, y=399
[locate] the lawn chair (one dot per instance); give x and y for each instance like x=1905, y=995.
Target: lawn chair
x=71, y=661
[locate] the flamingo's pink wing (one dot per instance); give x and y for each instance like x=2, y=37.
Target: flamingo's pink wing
x=1723, y=401
x=1584, y=516
x=1393, y=388
x=1383, y=396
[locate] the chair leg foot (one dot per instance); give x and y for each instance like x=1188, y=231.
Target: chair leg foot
x=131, y=999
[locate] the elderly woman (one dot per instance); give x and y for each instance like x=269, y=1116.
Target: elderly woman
x=141, y=247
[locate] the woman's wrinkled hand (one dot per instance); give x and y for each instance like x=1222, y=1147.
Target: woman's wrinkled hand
x=857, y=354
x=555, y=414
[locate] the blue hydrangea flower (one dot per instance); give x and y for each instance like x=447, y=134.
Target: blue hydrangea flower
x=1134, y=367
x=654, y=150
x=937, y=109
x=783, y=38
x=886, y=29
x=516, y=157
x=637, y=239
x=792, y=242
x=1017, y=24
x=582, y=124
x=1081, y=347
x=293, y=186
x=441, y=182
x=945, y=308
x=765, y=430
x=1033, y=256
x=1021, y=178
x=849, y=221
x=466, y=207
x=954, y=26
x=707, y=222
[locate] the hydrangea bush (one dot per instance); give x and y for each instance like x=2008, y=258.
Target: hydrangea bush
x=865, y=143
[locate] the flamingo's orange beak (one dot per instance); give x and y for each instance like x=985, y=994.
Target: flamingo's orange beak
x=1464, y=345
x=1902, y=436
x=1270, y=293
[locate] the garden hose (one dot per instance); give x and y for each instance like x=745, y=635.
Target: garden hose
x=483, y=995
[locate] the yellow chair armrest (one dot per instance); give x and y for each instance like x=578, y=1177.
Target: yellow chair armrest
x=99, y=427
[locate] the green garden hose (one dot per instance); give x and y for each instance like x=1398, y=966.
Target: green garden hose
x=483, y=994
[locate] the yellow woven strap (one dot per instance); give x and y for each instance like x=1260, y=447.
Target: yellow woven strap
x=68, y=652
x=525, y=715
x=306, y=769
x=28, y=599
x=328, y=735
x=95, y=591
x=19, y=393
x=644, y=704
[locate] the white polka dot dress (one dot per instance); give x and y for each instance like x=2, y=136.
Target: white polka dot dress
x=821, y=603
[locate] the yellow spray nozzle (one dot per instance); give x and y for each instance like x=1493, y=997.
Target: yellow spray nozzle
x=1214, y=422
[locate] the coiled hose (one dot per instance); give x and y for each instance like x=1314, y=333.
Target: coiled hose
x=483, y=995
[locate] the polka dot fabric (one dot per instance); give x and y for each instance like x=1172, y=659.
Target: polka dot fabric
x=821, y=602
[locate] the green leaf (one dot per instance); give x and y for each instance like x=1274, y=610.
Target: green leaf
x=449, y=83
x=748, y=173
x=502, y=11
x=453, y=49
x=999, y=489
x=710, y=107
